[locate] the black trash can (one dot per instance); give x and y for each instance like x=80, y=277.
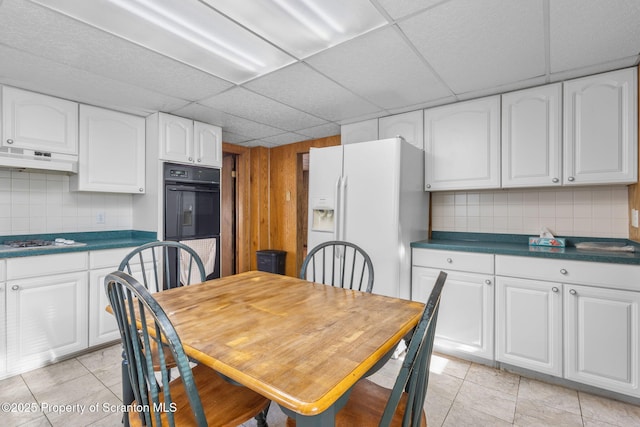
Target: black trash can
x=271, y=260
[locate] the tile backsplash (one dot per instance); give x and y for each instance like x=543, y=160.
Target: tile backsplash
x=580, y=211
x=33, y=203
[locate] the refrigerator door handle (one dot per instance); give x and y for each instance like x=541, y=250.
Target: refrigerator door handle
x=336, y=231
x=343, y=209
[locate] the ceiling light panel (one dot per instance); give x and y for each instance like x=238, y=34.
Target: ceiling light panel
x=185, y=30
x=303, y=27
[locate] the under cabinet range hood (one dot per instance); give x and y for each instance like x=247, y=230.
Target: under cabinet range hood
x=18, y=158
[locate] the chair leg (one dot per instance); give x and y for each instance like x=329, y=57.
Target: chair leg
x=127, y=391
x=261, y=418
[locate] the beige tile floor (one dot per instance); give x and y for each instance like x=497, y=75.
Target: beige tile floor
x=460, y=394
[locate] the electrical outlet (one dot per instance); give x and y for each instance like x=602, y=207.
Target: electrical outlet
x=100, y=218
x=634, y=218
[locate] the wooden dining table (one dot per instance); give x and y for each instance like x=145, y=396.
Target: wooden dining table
x=303, y=345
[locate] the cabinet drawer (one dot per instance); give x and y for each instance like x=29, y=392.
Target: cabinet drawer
x=453, y=260
x=43, y=265
x=109, y=258
x=617, y=276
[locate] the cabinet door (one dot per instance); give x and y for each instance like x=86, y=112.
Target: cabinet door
x=359, y=132
x=176, y=138
x=46, y=319
x=529, y=324
x=465, y=319
x=462, y=145
x=3, y=331
x=600, y=132
x=102, y=325
x=601, y=337
x=409, y=126
x=112, y=152
x=39, y=122
x=531, y=137
x=207, y=144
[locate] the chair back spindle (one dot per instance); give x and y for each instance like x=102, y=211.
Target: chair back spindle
x=339, y=263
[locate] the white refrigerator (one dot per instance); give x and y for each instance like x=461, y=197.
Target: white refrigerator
x=371, y=194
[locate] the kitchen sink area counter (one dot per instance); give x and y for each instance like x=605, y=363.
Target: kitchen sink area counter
x=87, y=241
x=518, y=245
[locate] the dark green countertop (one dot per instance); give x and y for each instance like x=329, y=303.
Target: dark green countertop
x=517, y=244
x=95, y=240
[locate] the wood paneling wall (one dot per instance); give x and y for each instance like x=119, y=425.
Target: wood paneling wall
x=634, y=190
x=273, y=213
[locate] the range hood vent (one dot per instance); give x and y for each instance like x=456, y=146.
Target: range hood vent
x=18, y=158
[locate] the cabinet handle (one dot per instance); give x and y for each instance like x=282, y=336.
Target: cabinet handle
x=15, y=287
x=9, y=141
x=555, y=289
x=487, y=282
x=428, y=185
x=199, y=160
x=449, y=260
x=572, y=292
x=141, y=190
x=191, y=159
x=563, y=271
x=571, y=179
x=555, y=180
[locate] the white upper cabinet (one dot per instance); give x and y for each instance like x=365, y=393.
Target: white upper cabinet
x=207, y=144
x=37, y=122
x=359, y=132
x=600, y=132
x=532, y=137
x=462, y=145
x=112, y=152
x=185, y=141
x=409, y=126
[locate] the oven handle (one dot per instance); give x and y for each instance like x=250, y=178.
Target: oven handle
x=196, y=190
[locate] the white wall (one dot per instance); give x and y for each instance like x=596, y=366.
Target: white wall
x=33, y=203
x=586, y=211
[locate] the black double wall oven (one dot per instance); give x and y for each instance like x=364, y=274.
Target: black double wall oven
x=192, y=208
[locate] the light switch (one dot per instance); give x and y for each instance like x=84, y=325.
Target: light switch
x=634, y=218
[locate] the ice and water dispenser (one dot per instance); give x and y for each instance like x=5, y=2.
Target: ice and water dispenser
x=323, y=214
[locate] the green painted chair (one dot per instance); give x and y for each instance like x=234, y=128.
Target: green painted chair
x=199, y=396
x=339, y=263
x=370, y=404
x=157, y=269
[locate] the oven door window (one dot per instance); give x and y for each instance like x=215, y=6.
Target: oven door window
x=191, y=212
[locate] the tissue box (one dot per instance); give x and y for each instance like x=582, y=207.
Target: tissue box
x=547, y=241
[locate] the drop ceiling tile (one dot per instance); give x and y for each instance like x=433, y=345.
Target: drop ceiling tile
x=395, y=76
x=475, y=45
x=399, y=8
x=249, y=105
x=589, y=32
x=234, y=138
x=33, y=73
x=228, y=122
x=40, y=31
x=322, y=131
x=285, y=138
x=303, y=88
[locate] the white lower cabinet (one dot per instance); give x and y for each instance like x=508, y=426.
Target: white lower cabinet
x=465, y=320
x=3, y=320
x=46, y=319
x=529, y=324
x=602, y=335
x=103, y=327
x=598, y=303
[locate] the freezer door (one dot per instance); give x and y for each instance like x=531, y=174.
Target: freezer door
x=325, y=171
